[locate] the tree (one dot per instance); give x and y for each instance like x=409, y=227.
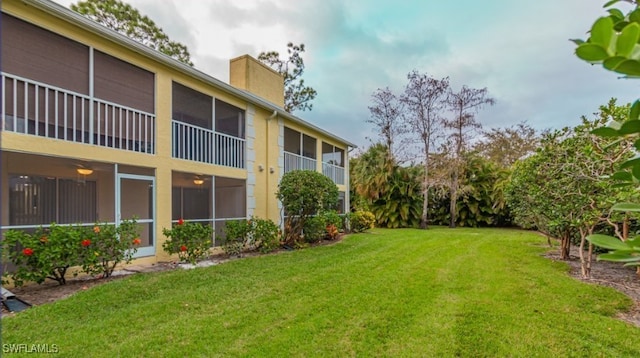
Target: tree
x=127, y=20
x=613, y=43
x=391, y=192
x=425, y=98
x=464, y=105
x=504, y=146
x=561, y=190
x=304, y=193
x=386, y=115
x=297, y=96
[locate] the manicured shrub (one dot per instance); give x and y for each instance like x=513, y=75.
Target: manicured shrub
x=314, y=229
x=304, y=193
x=361, y=221
x=191, y=241
x=104, y=246
x=237, y=236
x=252, y=234
x=266, y=235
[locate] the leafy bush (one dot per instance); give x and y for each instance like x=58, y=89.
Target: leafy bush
x=237, y=236
x=266, y=234
x=48, y=253
x=332, y=217
x=361, y=221
x=304, y=193
x=252, y=234
x=314, y=229
x=104, y=246
x=191, y=241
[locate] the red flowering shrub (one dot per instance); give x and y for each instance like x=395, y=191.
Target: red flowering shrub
x=108, y=246
x=191, y=241
x=48, y=253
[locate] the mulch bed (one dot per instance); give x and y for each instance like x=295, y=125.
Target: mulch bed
x=611, y=274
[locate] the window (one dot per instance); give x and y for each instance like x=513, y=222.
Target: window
x=36, y=200
x=332, y=155
x=299, y=143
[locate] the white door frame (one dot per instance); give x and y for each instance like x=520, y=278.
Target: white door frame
x=147, y=250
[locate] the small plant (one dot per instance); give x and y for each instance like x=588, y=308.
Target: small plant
x=266, y=235
x=191, y=241
x=332, y=232
x=331, y=217
x=314, y=229
x=238, y=236
x=105, y=246
x=48, y=253
x=361, y=221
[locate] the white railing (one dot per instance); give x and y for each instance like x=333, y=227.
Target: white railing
x=207, y=146
x=298, y=162
x=334, y=172
x=34, y=108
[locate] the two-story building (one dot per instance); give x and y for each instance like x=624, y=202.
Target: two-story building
x=98, y=127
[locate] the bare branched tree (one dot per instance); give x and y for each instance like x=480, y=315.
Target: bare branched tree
x=386, y=114
x=425, y=99
x=464, y=105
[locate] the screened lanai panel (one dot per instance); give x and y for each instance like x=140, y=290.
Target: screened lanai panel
x=122, y=83
x=34, y=53
x=229, y=119
x=191, y=106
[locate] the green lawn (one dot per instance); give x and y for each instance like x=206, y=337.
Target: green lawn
x=441, y=292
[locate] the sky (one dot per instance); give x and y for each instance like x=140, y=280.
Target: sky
x=519, y=50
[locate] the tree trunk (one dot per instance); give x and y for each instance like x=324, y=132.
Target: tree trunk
x=454, y=199
x=589, y=259
x=424, y=220
x=565, y=247
x=583, y=261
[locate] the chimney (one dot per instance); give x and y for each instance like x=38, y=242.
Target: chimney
x=247, y=73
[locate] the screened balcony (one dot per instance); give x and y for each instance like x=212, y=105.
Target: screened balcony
x=34, y=108
x=299, y=151
x=333, y=160
x=55, y=87
x=207, y=130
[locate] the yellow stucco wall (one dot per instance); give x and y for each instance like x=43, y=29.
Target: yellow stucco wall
x=252, y=75
x=265, y=133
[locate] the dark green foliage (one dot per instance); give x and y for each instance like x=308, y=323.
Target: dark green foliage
x=391, y=192
x=561, y=190
x=304, y=193
x=314, y=229
x=480, y=200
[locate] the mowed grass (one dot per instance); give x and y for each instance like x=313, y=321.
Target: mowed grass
x=440, y=293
